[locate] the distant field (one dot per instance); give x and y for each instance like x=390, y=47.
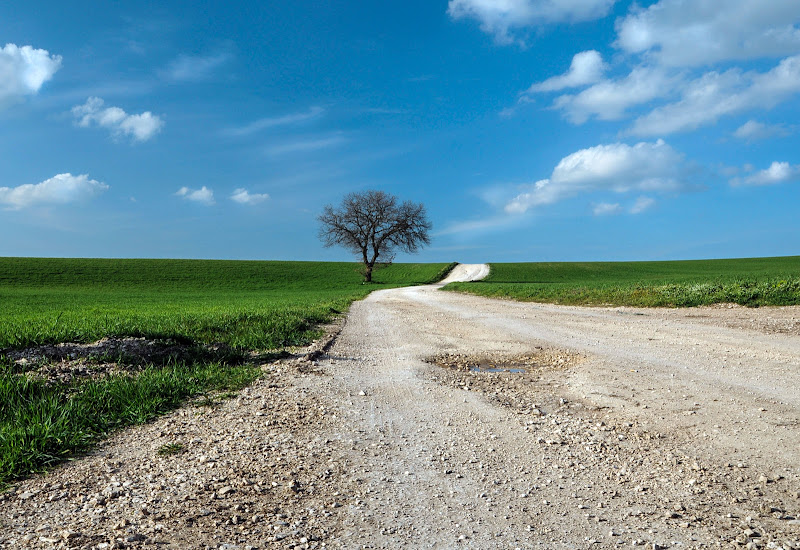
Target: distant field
x=751, y=282
x=246, y=305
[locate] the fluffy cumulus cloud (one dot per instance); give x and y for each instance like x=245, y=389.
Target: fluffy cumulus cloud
x=778, y=172
x=617, y=167
x=680, y=33
x=60, y=189
x=204, y=195
x=586, y=68
x=243, y=196
x=23, y=71
x=139, y=127
x=502, y=18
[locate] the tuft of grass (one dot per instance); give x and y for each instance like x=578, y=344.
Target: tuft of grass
x=170, y=449
x=750, y=282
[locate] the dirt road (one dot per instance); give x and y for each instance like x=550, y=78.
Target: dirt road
x=441, y=420
x=668, y=427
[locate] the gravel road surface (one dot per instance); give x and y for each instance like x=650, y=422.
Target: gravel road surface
x=441, y=420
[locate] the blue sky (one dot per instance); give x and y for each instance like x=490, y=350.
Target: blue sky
x=532, y=130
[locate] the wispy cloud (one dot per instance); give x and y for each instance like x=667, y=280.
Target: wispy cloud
x=193, y=68
x=607, y=209
x=204, y=195
x=23, y=71
x=273, y=122
x=60, y=189
x=642, y=204
x=140, y=127
x=243, y=196
x=753, y=130
x=476, y=226
x=306, y=145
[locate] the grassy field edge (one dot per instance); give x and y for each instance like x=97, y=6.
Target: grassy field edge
x=751, y=282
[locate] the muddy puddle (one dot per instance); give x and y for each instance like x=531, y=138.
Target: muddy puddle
x=515, y=364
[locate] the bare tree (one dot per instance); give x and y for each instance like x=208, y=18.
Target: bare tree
x=373, y=225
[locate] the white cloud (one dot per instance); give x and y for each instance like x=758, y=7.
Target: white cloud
x=753, y=130
x=610, y=99
x=618, y=167
x=242, y=196
x=642, y=204
x=778, y=172
x=680, y=34
x=586, y=68
x=272, y=122
x=502, y=17
x=140, y=127
x=606, y=209
x=23, y=71
x=204, y=195
x=192, y=68
x=714, y=95
x=685, y=66
x=60, y=189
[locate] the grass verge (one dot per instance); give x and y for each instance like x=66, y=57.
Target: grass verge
x=42, y=423
x=750, y=282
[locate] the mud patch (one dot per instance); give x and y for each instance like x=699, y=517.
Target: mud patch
x=67, y=362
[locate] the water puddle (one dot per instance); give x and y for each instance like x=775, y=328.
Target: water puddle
x=494, y=368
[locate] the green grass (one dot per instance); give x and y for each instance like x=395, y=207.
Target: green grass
x=750, y=281
x=243, y=306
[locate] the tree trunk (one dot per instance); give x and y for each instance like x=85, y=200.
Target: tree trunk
x=367, y=273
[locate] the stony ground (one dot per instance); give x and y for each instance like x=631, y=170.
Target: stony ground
x=438, y=420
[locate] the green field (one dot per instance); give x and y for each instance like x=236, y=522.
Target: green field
x=751, y=282
x=216, y=310
x=245, y=305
